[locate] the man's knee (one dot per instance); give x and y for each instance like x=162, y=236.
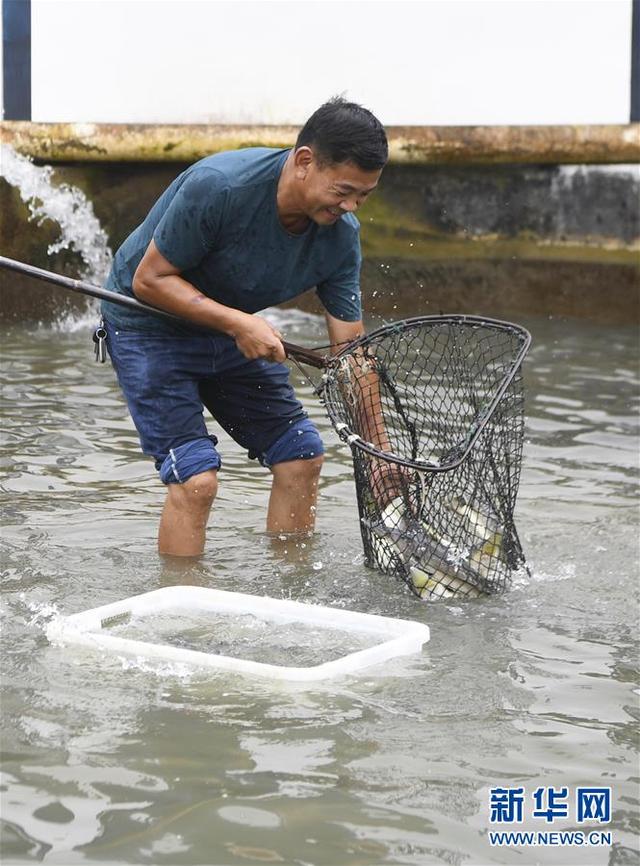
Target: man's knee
x=197, y=493
x=299, y=474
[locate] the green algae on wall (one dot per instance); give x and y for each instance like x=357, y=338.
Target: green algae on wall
x=388, y=231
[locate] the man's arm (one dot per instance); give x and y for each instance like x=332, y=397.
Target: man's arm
x=341, y=332
x=157, y=282
x=388, y=480
x=363, y=384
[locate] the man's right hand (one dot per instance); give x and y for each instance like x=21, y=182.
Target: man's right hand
x=159, y=283
x=256, y=338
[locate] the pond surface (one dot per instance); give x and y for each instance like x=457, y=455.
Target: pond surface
x=112, y=761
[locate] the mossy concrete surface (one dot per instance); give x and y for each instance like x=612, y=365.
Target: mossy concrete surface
x=496, y=240
x=418, y=145
x=498, y=288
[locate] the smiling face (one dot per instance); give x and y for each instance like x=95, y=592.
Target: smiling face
x=327, y=192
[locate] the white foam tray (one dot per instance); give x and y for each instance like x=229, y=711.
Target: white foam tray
x=89, y=628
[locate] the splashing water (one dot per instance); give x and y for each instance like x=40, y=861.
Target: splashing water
x=80, y=229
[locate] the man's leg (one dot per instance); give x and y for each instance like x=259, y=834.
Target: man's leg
x=294, y=492
x=184, y=516
x=159, y=376
x=256, y=405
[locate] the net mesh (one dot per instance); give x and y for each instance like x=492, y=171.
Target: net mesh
x=433, y=409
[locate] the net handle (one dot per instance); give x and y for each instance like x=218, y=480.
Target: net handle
x=298, y=353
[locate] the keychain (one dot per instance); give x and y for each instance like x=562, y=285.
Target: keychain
x=100, y=339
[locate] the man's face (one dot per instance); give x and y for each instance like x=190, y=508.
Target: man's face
x=330, y=191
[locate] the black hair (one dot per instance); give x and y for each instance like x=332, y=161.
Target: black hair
x=341, y=131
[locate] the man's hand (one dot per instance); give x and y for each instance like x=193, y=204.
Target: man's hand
x=159, y=283
x=256, y=338
x=388, y=480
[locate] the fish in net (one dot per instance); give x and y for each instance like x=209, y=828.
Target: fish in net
x=433, y=410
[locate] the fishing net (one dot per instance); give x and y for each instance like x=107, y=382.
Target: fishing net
x=433, y=409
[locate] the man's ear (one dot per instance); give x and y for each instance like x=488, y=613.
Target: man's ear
x=303, y=158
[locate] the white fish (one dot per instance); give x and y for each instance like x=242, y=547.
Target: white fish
x=439, y=585
x=484, y=527
x=434, y=572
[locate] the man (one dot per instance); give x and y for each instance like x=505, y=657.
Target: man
x=235, y=233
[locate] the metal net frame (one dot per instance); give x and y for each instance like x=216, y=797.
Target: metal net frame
x=433, y=410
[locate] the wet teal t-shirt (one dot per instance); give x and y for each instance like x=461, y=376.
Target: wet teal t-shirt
x=218, y=224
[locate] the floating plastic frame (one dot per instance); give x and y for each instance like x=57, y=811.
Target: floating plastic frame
x=398, y=636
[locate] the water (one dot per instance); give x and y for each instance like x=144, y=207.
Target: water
x=68, y=206
x=246, y=637
x=121, y=761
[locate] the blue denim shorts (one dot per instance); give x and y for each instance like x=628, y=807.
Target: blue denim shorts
x=168, y=379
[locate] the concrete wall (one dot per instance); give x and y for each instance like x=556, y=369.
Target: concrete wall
x=431, y=62
x=495, y=240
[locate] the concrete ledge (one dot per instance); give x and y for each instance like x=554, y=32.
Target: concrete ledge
x=426, y=145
